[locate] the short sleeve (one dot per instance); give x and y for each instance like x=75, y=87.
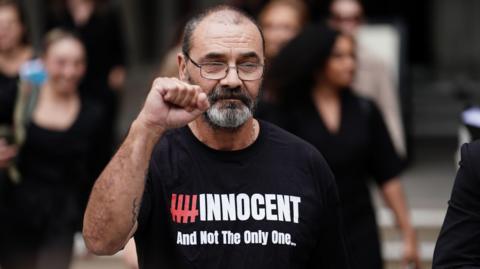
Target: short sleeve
x=384, y=163
x=458, y=243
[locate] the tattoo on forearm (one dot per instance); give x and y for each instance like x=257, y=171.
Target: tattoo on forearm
x=135, y=210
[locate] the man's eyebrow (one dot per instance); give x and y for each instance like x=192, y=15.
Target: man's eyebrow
x=213, y=56
x=220, y=56
x=250, y=54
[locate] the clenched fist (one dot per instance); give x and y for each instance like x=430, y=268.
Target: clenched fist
x=172, y=103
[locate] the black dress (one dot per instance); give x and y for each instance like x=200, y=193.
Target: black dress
x=45, y=208
x=361, y=150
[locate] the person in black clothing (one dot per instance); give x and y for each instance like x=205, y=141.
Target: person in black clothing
x=99, y=26
x=15, y=50
x=222, y=190
x=311, y=78
x=43, y=208
x=458, y=242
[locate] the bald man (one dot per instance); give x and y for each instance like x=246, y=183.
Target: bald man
x=200, y=183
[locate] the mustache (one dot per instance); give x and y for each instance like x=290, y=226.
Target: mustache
x=223, y=93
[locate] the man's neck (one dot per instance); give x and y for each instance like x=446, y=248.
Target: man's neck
x=225, y=139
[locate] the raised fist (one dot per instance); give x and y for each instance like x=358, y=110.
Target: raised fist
x=172, y=103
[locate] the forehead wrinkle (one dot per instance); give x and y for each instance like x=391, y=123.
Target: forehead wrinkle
x=228, y=39
x=225, y=33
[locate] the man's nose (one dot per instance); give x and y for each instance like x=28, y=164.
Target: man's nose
x=231, y=80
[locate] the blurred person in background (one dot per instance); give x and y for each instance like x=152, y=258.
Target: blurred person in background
x=169, y=65
x=98, y=23
x=281, y=20
x=15, y=50
x=373, y=78
x=458, y=243
x=43, y=207
x=312, y=78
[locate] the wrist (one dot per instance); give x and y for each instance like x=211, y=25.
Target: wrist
x=149, y=132
x=409, y=234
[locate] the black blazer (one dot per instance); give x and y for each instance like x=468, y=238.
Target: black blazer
x=458, y=245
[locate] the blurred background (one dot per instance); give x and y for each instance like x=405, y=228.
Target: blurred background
x=431, y=46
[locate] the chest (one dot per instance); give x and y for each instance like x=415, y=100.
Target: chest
x=62, y=146
x=232, y=208
x=60, y=117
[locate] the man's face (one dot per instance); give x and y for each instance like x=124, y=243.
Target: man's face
x=232, y=100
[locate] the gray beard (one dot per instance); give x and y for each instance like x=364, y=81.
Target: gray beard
x=228, y=116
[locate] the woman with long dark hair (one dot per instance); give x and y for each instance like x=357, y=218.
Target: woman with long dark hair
x=311, y=79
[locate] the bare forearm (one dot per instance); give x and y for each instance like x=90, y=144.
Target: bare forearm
x=114, y=204
x=394, y=196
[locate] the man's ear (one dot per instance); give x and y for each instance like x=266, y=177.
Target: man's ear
x=182, y=66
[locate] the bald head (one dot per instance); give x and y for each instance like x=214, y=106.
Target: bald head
x=220, y=15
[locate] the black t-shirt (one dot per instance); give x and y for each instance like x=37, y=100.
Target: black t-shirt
x=458, y=245
x=273, y=204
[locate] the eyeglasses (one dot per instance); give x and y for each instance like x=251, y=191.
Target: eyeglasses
x=219, y=70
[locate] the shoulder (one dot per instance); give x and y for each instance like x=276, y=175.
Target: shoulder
x=467, y=182
x=288, y=145
x=279, y=136
x=471, y=154
x=364, y=106
x=473, y=149
x=295, y=153
x=364, y=103
x=168, y=146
